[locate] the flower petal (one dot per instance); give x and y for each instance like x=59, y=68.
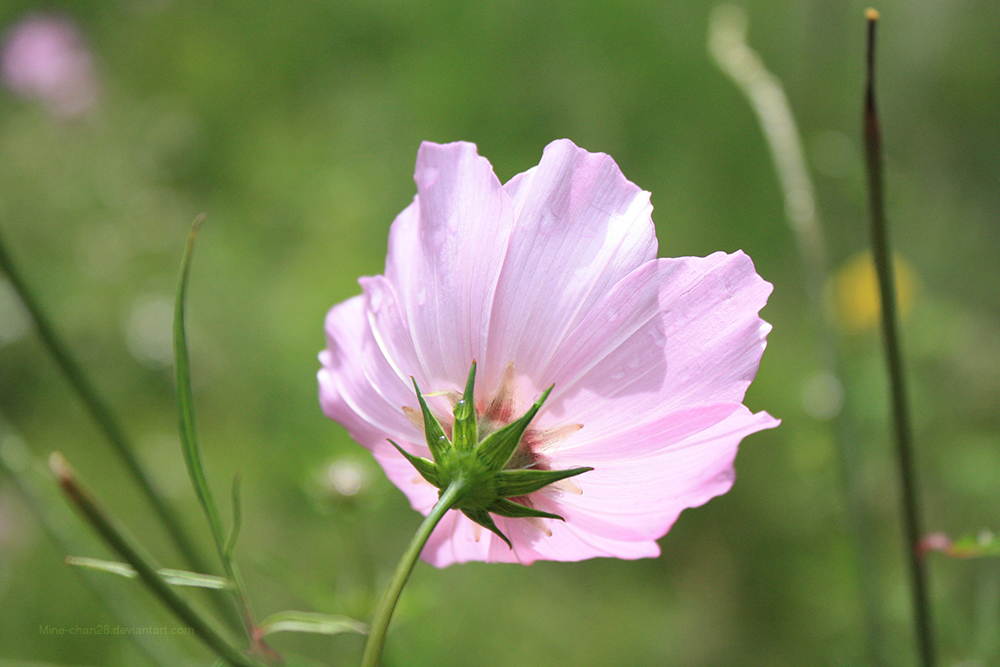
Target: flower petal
x=675, y=333
x=356, y=382
x=459, y=540
x=580, y=228
x=628, y=501
x=640, y=497
x=456, y=539
x=361, y=390
x=445, y=254
x=421, y=493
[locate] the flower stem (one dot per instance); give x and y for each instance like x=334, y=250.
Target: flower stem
x=383, y=614
x=904, y=438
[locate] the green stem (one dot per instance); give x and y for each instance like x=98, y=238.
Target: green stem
x=99, y=411
x=132, y=553
x=380, y=624
x=894, y=359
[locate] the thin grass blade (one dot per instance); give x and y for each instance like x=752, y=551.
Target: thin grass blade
x=185, y=402
x=174, y=577
x=304, y=621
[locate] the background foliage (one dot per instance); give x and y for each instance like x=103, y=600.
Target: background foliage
x=294, y=127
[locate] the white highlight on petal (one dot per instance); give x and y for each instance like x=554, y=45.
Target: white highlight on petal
x=567, y=485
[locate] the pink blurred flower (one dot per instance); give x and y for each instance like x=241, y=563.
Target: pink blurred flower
x=44, y=59
x=551, y=279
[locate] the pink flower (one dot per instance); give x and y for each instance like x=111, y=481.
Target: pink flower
x=43, y=58
x=551, y=280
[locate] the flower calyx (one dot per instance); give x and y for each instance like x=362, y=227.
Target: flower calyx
x=480, y=468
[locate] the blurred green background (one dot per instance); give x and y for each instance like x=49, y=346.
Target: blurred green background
x=294, y=128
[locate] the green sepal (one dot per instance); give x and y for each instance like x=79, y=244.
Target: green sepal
x=427, y=469
x=496, y=449
x=473, y=473
x=465, y=431
x=512, y=510
x=512, y=483
x=437, y=441
x=483, y=518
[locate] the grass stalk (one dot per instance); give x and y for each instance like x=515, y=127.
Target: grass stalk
x=894, y=359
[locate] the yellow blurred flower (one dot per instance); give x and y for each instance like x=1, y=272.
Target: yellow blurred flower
x=855, y=297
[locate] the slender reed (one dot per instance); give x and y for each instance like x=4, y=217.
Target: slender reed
x=894, y=358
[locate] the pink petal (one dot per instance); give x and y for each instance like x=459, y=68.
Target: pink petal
x=445, y=254
x=580, y=228
x=459, y=540
x=358, y=386
x=626, y=504
x=675, y=333
x=641, y=496
x=421, y=494
x=456, y=539
x=363, y=391
x=644, y=437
